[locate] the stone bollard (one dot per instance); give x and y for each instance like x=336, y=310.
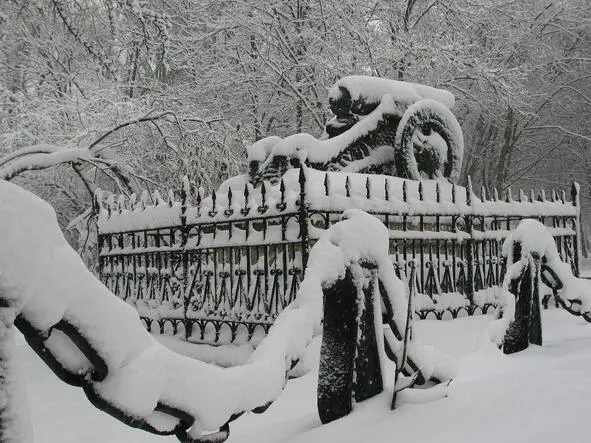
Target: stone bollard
x=350, y=368
x=526, y=327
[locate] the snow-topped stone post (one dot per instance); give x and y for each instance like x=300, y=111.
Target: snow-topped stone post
x=524, y=284
x=350, y=368
x=366, y=319
x=532, y=256
x=520, y=319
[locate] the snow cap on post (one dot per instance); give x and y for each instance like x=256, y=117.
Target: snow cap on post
x=157, y=197
x=509, y=197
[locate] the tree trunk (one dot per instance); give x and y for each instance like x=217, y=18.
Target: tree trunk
x=502, y=169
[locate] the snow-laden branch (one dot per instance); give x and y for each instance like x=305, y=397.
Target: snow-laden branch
x=42, y=148
x=34, y=161
x=43, y=155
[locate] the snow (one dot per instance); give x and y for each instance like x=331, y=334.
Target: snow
x=494, y=398
x=40, y=157
x=15, y=426
x=117, y=218
x=261, y=149
x=536, y=239
x=306, y=147
x=337, y=199
x=379, y=156
x=129, y=217
x=47, y=282
x=372, y=89
x=55, y=286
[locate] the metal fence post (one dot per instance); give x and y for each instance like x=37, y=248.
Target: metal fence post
x=185, y=190
x=303, y=220
x=470, y=245
x=526, y=327
x=575, y=196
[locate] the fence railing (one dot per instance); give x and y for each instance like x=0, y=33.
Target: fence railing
x=219, y=269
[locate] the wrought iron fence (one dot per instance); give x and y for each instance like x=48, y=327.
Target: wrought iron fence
x=220, y=269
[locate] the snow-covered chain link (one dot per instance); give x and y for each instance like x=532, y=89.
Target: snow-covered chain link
x=98, y=371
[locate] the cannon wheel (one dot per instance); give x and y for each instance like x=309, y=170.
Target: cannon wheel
x=429, y=116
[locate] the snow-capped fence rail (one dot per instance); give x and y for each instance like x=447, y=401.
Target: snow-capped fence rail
x=220, y=268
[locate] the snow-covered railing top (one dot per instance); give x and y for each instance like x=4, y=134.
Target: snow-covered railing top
x=205, y=265
x=306, y=188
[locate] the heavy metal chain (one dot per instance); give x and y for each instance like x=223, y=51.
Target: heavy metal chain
x=98, y=370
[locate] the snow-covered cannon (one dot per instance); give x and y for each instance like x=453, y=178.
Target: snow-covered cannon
x=379, y=126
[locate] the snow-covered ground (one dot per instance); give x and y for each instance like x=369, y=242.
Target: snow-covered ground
x=540, y=395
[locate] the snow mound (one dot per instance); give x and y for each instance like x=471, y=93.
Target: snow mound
x=372, y=89
x=306, y=147
x=535, y=239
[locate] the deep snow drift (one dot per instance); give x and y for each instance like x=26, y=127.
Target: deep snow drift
x=540, y=395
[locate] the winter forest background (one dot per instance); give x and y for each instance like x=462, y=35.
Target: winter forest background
x=133, y=94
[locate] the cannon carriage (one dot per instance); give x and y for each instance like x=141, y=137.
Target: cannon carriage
x=380, y=126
